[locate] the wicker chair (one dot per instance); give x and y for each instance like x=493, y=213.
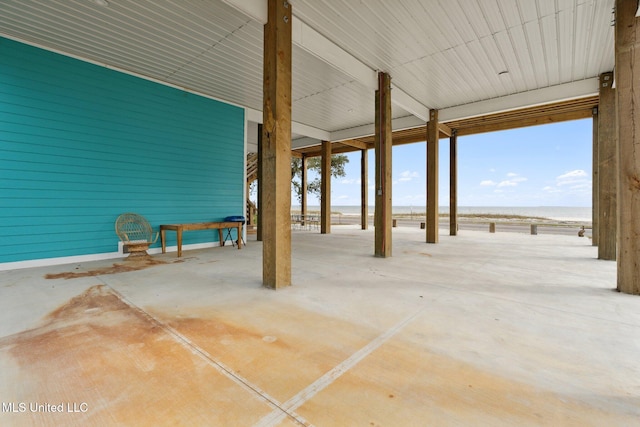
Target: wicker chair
x=136, y=233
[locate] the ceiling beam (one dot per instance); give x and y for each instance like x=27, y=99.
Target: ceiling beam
x=306, y=142
x=532, y=98
x=361, y=145
x=324, y=49
x=526, y=122
x=310, y=131
x=563, y=92
x=336, y=148
x=543, y=114
x=297, y=128
x=522, y=117
x=256, y=9
x=444, y=129
x=368, y=130
x=405, y=101
x=320, y=46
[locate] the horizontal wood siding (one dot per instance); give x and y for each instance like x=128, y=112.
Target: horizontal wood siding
x=81, y=144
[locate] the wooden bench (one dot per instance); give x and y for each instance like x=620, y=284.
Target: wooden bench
x=179, y=228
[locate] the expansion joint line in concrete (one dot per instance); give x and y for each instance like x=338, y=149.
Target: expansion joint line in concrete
x=216, y=364
x=276, y=417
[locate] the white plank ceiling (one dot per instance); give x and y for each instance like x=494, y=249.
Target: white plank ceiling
x=463, y=57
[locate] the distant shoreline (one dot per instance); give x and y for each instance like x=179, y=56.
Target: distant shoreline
x=337, y=217
x=524, y=215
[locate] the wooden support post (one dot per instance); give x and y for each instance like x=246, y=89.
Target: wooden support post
x=627, y=69
x=364, y=189
x=260, y=182
x=453, y=184
x=607, y=169
x=276, y=149
x=432, y=177
x=383, y=143
x=325, y=189
x=594, y=186
x=303, y=189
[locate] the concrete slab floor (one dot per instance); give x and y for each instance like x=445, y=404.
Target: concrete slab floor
x=480, y=329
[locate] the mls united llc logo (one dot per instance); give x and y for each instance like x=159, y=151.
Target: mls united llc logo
x=32, y=407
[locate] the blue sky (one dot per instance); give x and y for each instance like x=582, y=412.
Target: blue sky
x=548, y=165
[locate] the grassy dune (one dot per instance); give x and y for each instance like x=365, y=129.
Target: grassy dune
x=465, y=217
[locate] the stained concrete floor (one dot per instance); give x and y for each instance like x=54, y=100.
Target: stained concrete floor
x=478, y=330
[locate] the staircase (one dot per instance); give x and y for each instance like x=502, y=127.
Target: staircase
x=252, y=167
x=252, y=175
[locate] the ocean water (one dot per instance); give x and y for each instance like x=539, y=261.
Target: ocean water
x=559, y=213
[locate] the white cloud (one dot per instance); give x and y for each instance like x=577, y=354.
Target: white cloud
x=514, y=181
x=492, y=170
x=574, y=182
x=573, y=174
x=408, y=176
x=575, y=177
x=571, y=183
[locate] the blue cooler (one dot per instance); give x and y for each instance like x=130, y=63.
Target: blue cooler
x=234, y=218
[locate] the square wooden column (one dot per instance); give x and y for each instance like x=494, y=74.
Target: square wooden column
x=325, y=188
x=607, y=170
x=276, y=147
x=383, y=143
x=432, y=178
x=364, y=189
x=453, y=184
x=303, y=188
x=627, y=69
x=594, y=186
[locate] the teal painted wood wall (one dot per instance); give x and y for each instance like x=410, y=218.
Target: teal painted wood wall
x=80, y=144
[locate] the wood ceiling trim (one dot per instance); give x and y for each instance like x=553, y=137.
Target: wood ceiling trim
x=549, y=113
x=542, y=114
x=356, y=143
x=444, y=129
x=525, y=122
